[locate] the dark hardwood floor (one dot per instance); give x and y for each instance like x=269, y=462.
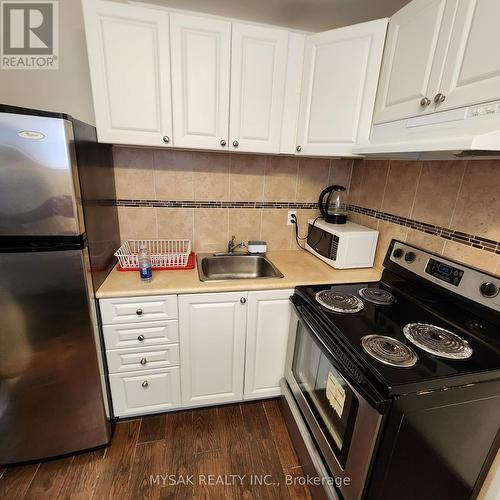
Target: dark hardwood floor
x=240, y=451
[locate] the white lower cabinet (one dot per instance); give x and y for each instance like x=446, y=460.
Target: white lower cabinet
x=212, y=330
x=267, y=336
x=150, y=391
x=224, y=347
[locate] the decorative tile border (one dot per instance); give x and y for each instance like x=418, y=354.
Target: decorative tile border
x=215, y=204
x=442, y=232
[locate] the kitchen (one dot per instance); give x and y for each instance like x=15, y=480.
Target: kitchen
x=350, y=152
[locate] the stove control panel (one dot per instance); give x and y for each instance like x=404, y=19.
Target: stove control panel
x=458, y=278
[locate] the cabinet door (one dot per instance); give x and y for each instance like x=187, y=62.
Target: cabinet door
x=413, y=59
x=201, y=57
x=267, y=336
x=339, y=83
x=472, y=70
x=129, y=58
x=258, y=70
x=212, y=338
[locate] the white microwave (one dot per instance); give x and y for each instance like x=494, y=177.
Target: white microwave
x=342, y=246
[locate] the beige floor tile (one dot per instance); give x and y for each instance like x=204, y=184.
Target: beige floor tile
x=478, y=205
x=137, y=223
x=134, y=178
x=437, y=191
x=246, y=182
x=401, y=187
x=174, y=178
x=175, y=223
x=486, y=261
x=281, y=178
x=275, y=230
x=245, y=224
x=211, y=176
x=313, y=178
x=373, y=186
x=211, y=229
x=426, y=241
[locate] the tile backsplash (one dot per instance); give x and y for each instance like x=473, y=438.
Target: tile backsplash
x=448, y=207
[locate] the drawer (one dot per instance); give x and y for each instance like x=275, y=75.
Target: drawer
x=144, y=358
x=138, y=309
x=145, y=392
x=141, y=334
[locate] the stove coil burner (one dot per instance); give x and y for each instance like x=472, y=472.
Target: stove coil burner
x=377, y=296
x=437, y=341
x=339, y=302
x=389, y=351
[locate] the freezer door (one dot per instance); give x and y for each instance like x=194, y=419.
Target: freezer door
x=51, y=398
x=39, y=189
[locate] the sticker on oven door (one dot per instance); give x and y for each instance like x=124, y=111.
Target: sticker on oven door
x=335, y=394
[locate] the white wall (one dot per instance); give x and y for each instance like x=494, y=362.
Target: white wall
x=67, y=89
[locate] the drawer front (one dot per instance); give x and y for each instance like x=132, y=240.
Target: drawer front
x=141, y=334
x=145, y=392
x=126, y=360
x=138, y=309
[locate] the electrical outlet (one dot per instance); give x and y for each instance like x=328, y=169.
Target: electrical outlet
x=289, y=218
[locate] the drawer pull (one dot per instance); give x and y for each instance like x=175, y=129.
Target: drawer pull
x=145, y=384
x=144, y=361
x=140, y=338
x=139, y=312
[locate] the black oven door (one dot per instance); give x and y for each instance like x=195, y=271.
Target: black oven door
x=344, y=425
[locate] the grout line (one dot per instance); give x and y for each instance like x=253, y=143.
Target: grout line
x=385, y=185
x=452, y=216
x=297, y=173
x=410, y=214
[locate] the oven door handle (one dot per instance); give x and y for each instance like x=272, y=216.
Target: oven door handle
x=375, y=400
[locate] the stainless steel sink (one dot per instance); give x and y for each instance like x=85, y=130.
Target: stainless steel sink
x=213, y=267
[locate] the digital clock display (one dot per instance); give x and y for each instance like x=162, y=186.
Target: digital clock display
x=444, y=272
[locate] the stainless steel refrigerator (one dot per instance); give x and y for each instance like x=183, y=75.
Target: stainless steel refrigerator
x=58, y=231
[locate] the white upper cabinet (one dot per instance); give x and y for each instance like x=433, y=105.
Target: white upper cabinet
x=258, y=71
x=129, y=55
x=472, y=70
x=201, y=63
x=339, y=84
x=412, y=60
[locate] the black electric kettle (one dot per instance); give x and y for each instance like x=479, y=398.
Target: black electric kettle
x=334, y=209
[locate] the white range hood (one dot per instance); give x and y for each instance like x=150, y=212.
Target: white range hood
x=470, y=132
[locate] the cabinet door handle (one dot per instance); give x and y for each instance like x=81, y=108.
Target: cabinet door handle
x=236, y=144
x=439, y=98
x=424, y=102
x=166, y=139
x=143, y=361
x=139, y=312
x=243, y=300
x=140, y=338
x=298, y=149
x=145, y=384
x=223, y=142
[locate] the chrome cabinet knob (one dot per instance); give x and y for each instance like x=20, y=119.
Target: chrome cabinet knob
x=243, y=300
x=140, y=338
x=139, y=312
x=145, y=384
x=166, y=139
x=439, y=98
x=223, y=142
x=143, y=361
x=424, y=102
x=298, y=149
x=236, y=144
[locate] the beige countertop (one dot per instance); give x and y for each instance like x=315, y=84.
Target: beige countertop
x=298, y=266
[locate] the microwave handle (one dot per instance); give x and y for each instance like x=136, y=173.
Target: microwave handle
x=374, y=401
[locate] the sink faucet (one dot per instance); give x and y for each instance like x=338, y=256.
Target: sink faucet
x=232, y=246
